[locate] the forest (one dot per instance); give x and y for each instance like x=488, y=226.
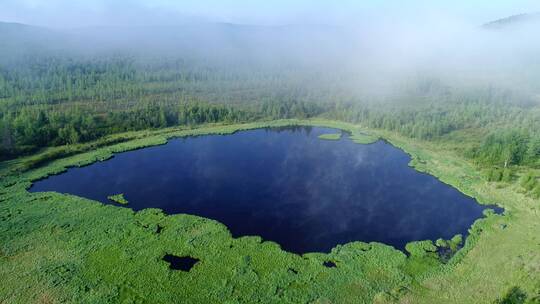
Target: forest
x=57, y=101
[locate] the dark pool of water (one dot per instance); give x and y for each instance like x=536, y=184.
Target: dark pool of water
x=329, y=264
x=285, y=185
x=180, y=263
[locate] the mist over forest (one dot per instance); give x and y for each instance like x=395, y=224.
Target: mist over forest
x=159, y=73
x=499, y=53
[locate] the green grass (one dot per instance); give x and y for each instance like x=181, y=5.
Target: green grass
x=364, y=139
x=61, y=248
x=118, y=198
x=331, y=136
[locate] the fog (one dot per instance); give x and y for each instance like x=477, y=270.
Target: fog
x=78, y=13
x=374, y=48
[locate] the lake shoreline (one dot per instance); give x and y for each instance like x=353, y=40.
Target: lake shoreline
x=423, y=158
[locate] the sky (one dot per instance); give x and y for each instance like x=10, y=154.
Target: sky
x=80, y=13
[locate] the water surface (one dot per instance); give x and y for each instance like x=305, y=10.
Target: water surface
x=285, y=185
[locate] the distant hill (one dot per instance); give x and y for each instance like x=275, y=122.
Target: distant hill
x=208, y=40
x=189, y=33
x=22, y=34
x=513, y=21
x=19, y=40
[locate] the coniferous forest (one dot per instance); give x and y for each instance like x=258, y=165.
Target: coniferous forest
x=51, y=101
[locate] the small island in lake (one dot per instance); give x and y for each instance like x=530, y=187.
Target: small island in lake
x=118, y=198
x=330, y=136
x=365, y=139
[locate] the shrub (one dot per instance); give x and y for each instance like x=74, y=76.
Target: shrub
x=494, y=175
x=528, y=181
x=506, y=175
x=536, y=192
x=513, y=296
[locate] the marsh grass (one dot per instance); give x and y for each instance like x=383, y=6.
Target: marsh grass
x=77, y=250
x=330, y=136
x=364, y=139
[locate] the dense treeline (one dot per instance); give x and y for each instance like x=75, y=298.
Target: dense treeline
x=51, y=101
x=508, y=133
x=509, y=147
x=56, y=101
x=35, y=127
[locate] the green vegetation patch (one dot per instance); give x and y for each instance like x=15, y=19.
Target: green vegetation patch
x=330, y=136
x=62, y=248
x=364, y=139
x=118, y=198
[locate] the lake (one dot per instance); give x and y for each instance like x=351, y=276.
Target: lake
x=285, y=185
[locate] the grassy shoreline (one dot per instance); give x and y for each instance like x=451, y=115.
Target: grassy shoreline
x=378, y=271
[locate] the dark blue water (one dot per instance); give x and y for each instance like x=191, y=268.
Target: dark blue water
x=286, y=185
